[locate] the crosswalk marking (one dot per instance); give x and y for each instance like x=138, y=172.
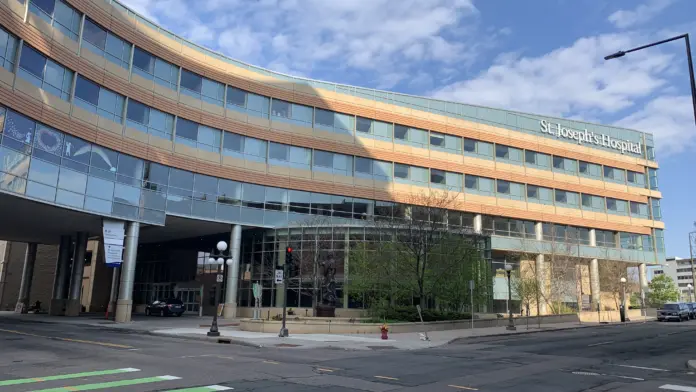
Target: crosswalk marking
x=680, y=388
x=4, y=383
x=110, y=384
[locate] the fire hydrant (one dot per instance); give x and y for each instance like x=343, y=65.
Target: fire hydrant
x=385, y=330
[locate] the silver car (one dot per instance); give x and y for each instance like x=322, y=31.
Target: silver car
x=673, y=311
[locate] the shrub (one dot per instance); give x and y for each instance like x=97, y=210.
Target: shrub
x=410, y=314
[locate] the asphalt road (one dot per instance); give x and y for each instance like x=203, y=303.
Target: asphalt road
x=59, y=357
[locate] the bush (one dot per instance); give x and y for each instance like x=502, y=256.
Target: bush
x=410, y=314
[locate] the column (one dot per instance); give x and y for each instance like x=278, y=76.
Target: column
x=124, y=304
x=73, y=305
x=113, y=295
x=539, y=268
x=478, y=224
x=27, y=276
x=595, y=294
x=643, y=280
x=230, y=309
x=62, y=277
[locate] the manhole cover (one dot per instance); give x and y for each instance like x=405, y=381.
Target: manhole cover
x=287, y=345
x=381, y=347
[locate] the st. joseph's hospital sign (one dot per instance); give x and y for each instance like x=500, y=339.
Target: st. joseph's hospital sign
x=586, y=136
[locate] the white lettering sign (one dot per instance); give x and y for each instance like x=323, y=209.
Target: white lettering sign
x=113, y=233
x=279, y=276
x=113, y=255
x=586, y=136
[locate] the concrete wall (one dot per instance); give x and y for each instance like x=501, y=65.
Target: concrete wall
x=269, y=313
x=44, y=272
x=342, y=326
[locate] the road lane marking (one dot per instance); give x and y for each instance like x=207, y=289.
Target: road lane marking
x=114, y=345
x=599, y=344
x=5, y=383
x=387, y=378
x=272, y=362
x=678, y=388
x=324, y=370
x=203, y=389
x=626, y=377
x=461, y=387
x=110, y=384
x=644, y=368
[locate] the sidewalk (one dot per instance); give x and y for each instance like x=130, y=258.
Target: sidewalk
x=193, y=327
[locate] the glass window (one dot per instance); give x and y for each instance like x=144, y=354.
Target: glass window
x=181, y=179
x=99, y=100
x=532, y=192
x=588, y=169
x=363, y=165
x=106, y=44
x=614, y=175
x=656, y=210
x=375, y=128
x=58, y=14
x=149, y=120
x=400, y=171
x=191, y=81
x=561, y=196
x=156, y=176
x=278, y=151
x=635, y=178
x=652, y=178
x=323, y=159
x=437, y=176
x=415, y=136
x=233, y=142
x=236, y=96
x=130, y=170
x=43, y=172
x=8, y=49
x=530, y=157
x=154, y=68
x=503, y=187
x=469, y=145
x=280, y=108
x=19, y=132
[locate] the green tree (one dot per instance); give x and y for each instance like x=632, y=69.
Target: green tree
x=662, y=289
x=420, y=256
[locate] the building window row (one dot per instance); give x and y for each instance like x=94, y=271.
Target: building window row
x=94, y=98
x=45, y=164
x=104, y=43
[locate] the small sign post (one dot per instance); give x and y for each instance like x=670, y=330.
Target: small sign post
x=219, y=278
x=424, y=335
x=471, y=291
x=256, y=290
x=279, y=276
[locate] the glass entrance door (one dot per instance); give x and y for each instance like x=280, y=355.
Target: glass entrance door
x=190, y=299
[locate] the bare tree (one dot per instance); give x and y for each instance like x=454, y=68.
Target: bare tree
x=610, y=274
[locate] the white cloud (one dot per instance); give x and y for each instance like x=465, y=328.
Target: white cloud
x=385, y=38
x=670, y=119
x=576, y=82
x=641, y=14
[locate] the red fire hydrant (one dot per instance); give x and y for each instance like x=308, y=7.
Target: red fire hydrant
x=385, y=331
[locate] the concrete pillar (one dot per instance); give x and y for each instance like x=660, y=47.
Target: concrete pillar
x=643, y=280
x=113, y=295
x=27, y=276
x=595, y=294
x=593, y=237
x=124, y=304
x=73, y=305
x=539, y=231
x=62, y=277
x=478, y=224
x=230, y=309
x=541, y=279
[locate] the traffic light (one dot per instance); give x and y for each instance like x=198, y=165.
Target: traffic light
x=288, y=256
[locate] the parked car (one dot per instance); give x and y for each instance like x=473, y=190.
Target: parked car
x=169, y=307
x=692, y=308
x=673, y=311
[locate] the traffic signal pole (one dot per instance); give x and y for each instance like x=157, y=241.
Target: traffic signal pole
x=288, y=260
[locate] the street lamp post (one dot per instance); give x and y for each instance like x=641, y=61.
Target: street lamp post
x=511, y=323
x=623, y=299
x=218, y=258
x=621, y=53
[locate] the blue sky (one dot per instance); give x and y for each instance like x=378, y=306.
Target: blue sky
x=543, y=56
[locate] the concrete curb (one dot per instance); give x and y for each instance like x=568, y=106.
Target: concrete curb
x=547, y=330
x=218, y=340
x=691, y=364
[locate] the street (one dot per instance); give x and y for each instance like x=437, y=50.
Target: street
x=37, y=356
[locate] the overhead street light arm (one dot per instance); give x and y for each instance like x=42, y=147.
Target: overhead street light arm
x=622, y=53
